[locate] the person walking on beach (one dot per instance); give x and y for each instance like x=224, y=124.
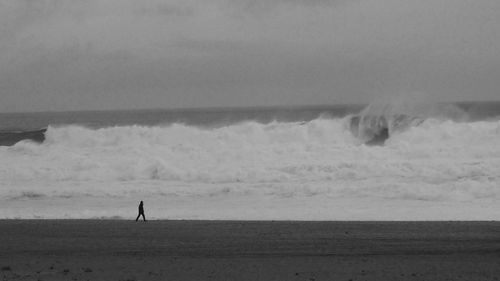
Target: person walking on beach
x=141, y=212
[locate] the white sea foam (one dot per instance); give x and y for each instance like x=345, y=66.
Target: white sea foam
x=436, y=161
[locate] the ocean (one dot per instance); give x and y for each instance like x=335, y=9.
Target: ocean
x=433, y=162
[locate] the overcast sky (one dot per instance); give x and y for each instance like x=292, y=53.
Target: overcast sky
x=121, y=54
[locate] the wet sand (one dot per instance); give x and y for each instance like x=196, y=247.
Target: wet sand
x=242, y=250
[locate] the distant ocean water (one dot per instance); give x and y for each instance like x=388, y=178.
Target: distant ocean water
x=253, y=163
x=200, y=117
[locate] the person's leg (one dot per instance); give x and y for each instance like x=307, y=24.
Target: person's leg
x=143, y=217
x=136, y=219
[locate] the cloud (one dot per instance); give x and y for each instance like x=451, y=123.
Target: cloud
x=168, y=9
x=94, y=53
x=241, y=8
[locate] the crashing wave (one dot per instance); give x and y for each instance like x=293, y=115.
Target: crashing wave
x=380, y=120
x=8, y=138
x=376, y=129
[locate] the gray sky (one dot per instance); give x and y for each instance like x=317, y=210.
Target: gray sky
x=120, y=54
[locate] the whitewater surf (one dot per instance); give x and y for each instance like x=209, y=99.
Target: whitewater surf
x=311, y=169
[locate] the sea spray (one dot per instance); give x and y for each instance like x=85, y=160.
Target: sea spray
x=383, y=118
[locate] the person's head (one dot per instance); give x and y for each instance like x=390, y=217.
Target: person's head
x=141, y=203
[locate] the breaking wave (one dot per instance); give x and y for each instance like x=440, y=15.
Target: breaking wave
x=320, y=150
x=8, y=138
x=379, y=120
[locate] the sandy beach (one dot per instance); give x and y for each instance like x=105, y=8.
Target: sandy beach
x=248, y=250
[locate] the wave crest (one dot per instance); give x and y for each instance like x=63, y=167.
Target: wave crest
x=380, y=120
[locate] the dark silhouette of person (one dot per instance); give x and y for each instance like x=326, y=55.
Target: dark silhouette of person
x=141, y=212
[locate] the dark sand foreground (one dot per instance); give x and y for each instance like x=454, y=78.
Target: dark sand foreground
x=236, y=250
